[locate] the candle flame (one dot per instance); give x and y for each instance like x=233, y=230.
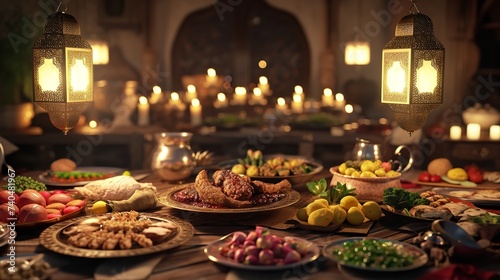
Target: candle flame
x=195, y=102
x=211, y=72
x=240, y=91
x=92, y=124
x=327, y=92
x=263, y=80
x=174, y=96
x=299, y=90
x=257, y=91
x=297, y=98
x=221, y=96
x=281, y=101
x=349, y=108
x=191, y=88
x=143, y=100
x=339, y=97
x=156, y=90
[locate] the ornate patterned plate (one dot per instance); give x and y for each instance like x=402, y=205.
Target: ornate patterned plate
x=420, y=257
x=46, y=179
x=55, y=240
x=212, y=252
x=167, y=198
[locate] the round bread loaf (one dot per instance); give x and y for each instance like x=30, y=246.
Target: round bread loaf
x=63, y=165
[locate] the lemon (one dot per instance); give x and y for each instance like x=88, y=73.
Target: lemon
x=320, y=217
x=372, y=210
x=99, y=207
x=380, y=172
x=342, y=168
x=313, y=206
x=368, y=165
x=302, y=214
x=238, y=169
x=367, y=174
x=355, y=216
x=324, y=201
x=458, y=174
x=339, y=214
x=126, y=173
x=349, y=171
x=355, y=174
x=392, y=173
x=252, y=171
x=348, y=201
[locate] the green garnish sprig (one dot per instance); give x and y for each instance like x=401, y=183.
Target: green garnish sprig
x=333, y=194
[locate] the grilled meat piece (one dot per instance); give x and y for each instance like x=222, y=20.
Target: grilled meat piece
x=214, y=195
x=233, y=185
x=261, y=187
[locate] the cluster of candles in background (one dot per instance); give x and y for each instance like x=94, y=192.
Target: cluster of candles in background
x=239, y=98
x=473, y=132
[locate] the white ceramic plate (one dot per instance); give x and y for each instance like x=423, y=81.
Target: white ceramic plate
x=475, y=200
x=212, y=251
x=46, y=179
x=421, y=257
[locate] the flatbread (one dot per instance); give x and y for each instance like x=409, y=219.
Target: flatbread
x=462, y=194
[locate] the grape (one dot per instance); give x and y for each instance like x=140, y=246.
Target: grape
x=22, y=183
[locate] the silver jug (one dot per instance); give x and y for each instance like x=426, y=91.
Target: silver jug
x=172, y=158
x=366, y=150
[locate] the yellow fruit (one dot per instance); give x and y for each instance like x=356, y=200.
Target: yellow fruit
x=99, y=207
x=238, y=169
x=359, y=205
x=252, y=171
x=367, y=174
x=324, y=201
x=339, y=214
x=348, y=201
x=439, y=166
x=372, y=210
x=349, y=171
x=355, y=216
x=392, y=173
x=458, y=174
x=126, y=173
x=320, y=217
x=368, y=166
x=380, y=172
x=355, y=174
x=342, y=168
x=313, y=206
x=302, y=214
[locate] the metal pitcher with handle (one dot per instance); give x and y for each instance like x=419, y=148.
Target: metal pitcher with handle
x=364, y=149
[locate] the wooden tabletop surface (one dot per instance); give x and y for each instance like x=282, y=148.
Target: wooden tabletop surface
x=188, y=261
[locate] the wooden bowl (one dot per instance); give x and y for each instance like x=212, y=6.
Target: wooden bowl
x=366, y=188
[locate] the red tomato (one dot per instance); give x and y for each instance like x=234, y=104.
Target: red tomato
x=424, y=177
x=472, y=168
x=435, y=178
x=476, y=177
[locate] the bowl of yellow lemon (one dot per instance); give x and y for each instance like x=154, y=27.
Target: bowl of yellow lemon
x=368, y=177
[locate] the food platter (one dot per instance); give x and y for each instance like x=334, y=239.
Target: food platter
x=212, y=251
x=294, y=179
x=167, y=198
x=470, y=196
x=55, y=240
x=403, y=217
x=47, y=179
x=420, y=257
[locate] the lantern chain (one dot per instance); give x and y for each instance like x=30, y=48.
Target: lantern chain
x=414, y=7
x=63, y=3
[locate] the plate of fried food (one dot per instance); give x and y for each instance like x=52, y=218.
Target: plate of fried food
x=227, y=192
x=117, y=234
x=274, y=168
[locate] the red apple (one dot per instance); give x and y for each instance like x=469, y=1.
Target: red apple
x=59, y=191
x=60, y=197
x=386, y=165
x=5, y=194
x=6, y=212
x=29, y=197
x=46, y=195
x=77, y=202
x=32, y=213
x=56, y=205
x=53, y=215
x=70, y=209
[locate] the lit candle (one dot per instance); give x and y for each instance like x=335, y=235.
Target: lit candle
x=156, y=95
x=455, y=132
x=297, y=104
x=240, y=96
x=473, y=131
x=257, y=97
x=221, y=101
x=174, y=102
x=211, y=77
x=191, y=93
x=339, y=101
x=495, y=132
x=263, y=85
x=281, y=105
x=327, y=98
x=195, y=109
x=92, y=124
x=298, y=90
x=143, y=111
x=349, y=109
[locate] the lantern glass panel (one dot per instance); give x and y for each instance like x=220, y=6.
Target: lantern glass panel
x=396, y=64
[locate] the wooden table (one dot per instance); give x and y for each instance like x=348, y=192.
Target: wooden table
x=189, y=262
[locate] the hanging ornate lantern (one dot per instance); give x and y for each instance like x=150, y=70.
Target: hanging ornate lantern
x=62, y=64
x=413, y=71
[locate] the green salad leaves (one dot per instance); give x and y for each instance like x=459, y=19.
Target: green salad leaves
x=401, y=199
